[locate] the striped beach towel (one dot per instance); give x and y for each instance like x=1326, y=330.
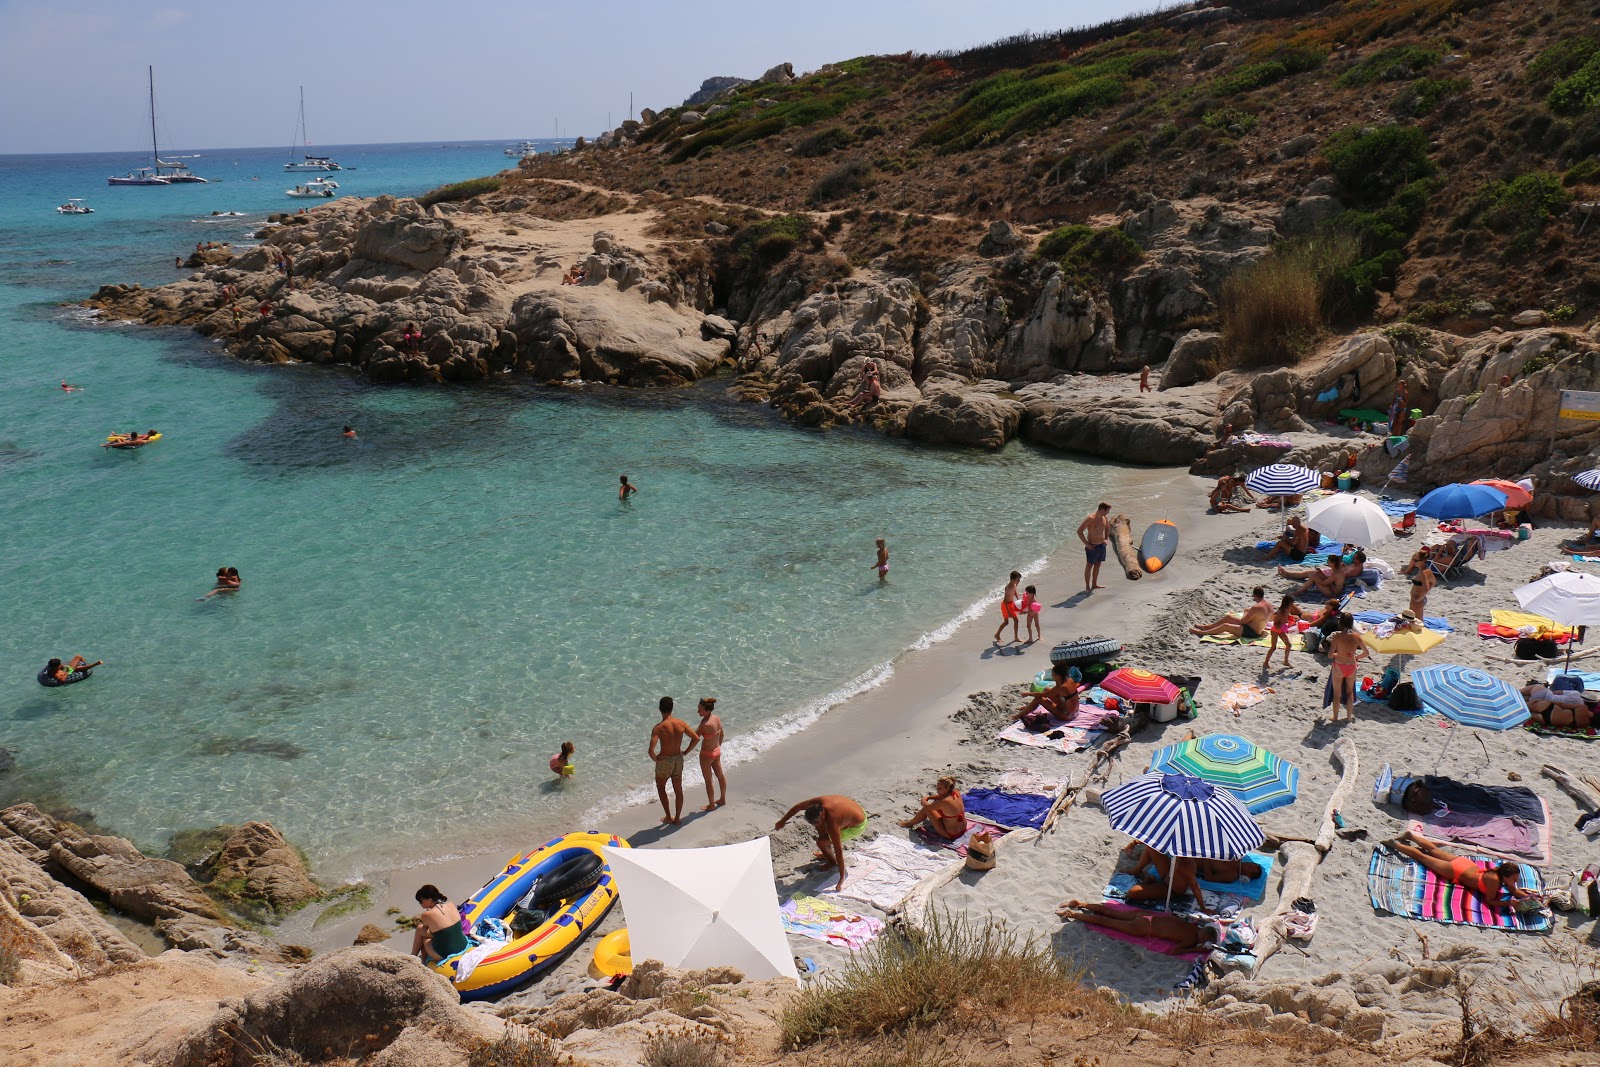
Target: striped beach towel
x=1401, y=887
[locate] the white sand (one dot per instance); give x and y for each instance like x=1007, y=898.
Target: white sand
x=885, y=746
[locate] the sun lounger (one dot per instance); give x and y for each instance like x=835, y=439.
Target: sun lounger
x=1400, y=887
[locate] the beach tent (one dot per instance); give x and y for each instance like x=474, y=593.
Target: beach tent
x=1350, y=519
x=1461, y=501
x=704, y=907
x=1259, y=779
x=1571, y=598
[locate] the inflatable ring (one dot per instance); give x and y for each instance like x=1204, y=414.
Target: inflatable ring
x=611, y=955
x=1085, y=650
x=50, y=681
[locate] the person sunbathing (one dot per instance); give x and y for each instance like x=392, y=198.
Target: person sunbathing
x=1060, y=700
x=1222, y=496
x=1497, y=888
x=1329, y=581
x=1278, y=503
x=1226, y=872
x=944, y=811
x=1563, y=709
x=1249, y=626
x=1155, y=872
x=1184, y=934
x=1297, y=541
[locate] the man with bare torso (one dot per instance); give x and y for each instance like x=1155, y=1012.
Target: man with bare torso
x=667, y=751
x=837, y=820
x=1093, y=532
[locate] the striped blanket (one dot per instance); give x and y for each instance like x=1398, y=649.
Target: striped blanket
x=1401, y=887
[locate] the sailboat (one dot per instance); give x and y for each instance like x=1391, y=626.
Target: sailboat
x=161, y=172
x=303, y=141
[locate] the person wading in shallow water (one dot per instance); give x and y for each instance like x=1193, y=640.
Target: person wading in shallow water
x=1093, y=532
x=626, y=490
x=881, y=564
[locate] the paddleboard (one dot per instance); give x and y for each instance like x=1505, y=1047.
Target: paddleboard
x=1158, y=545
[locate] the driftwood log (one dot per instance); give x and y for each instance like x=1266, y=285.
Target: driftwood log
x=1302, y=858
x=1122, y=544
x=1098, y=773
x=1585, y=790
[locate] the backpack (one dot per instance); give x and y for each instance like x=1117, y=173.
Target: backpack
x=1404, y=698
x=1534, y=647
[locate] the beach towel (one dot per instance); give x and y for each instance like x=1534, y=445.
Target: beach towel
x=1492, y=835
x=1400, y=887
x=886, y=869
x=1470, y=798
x=468, y=961
x=1430, y=622
x=1243, y=695
x=1071, y=739
x=1154, y=944
x=1008, y=809
x=1296, y=641
x=1028, y=780
x=1586, y=559
x=1260, y=440
x=1516, y=620
x=957, y=845
x=1396, y=509
x=1534, y=726
x=822, y=920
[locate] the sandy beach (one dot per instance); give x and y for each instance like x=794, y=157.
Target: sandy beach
x=940, y=710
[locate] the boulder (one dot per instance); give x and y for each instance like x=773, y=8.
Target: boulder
x=1297, y=146
x=1530, y=317
x=1099, y=417
x=1190, y=358
x=371, y=934
x=985, y=415
x=387, y=1008
x=1303, y=215
x=52, y=930
x=780, y=74
x=689, y=118
x=710, y=89
x=647, y=116
x=715, y=327
x=1002, y=239
x=260, y=865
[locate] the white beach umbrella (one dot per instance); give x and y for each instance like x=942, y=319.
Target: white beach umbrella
x=1350, y=519
x=704, y=907
x=1569, y=598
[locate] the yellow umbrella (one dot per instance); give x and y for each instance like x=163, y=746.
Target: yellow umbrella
x=1403, y=642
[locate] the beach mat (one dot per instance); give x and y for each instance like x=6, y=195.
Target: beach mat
x=823, y=920
x=1154, y=944
x=1008, y=809
x=957, y=845
x=1534, y=726
x=1071, y=739
x=1400, y=887
x=883, y=872
x=1243, y=695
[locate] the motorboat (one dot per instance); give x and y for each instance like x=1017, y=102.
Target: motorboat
x=307, y=162
x=75, y=206
x=161, y=171
x=315, y=189
x=522, y=149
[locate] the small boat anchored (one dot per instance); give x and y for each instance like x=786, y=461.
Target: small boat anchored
x=75, y=206
x=307, y=162
x=160, y=171
x=315, y=189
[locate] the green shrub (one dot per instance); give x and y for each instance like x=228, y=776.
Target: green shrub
x=868, y=130
x=823, y=141
x=1423, y=95
x=460, y=190
x=841, y=181
x=1373, y=164
x=1230, y=120
x=1121, y=154
x=767, y=242
x=1582, y=173
x=1082, y=250
x=1250, y=76
x=1401, y=63
x=1524, y=204
x=1579, y=91
x=1563, y=58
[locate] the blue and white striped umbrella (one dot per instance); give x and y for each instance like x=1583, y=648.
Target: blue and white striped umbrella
x=1470, y=696
x=1282, y=479
x=1588, y=479
x=1178, y=815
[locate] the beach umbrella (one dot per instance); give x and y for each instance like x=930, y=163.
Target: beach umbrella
x=1260, y=780
x=1179, y=815
x=1571, y=598
x=704, y=907
x=1350, y=519
x=1516, y=496
x=1403, y=642
x=1132, y=683
x=1470, y=697
x=1461, y=501
x=1588, y=479
x=1282, y=479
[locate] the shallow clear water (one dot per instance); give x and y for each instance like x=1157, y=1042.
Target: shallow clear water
x=429, y=610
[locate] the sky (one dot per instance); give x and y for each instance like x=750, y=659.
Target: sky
x=72, y=72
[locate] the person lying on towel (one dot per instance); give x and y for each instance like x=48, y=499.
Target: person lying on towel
x=1186, y=935
x=1497, y=888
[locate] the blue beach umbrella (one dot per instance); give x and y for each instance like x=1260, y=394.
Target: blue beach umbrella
x=1258, y=779
x=1282, y=479
x=1469, y=696
x=1182, y=816
x=1461, y=501
x=1588, y=479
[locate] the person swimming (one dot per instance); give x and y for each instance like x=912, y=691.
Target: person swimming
x=626, y=490
x=349, y=431
x=56, y=673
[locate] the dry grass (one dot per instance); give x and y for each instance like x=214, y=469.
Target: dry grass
x=1271, y=313
x=685, y=1048
x=10, y=957
x=518, y=1050
x=956, y=971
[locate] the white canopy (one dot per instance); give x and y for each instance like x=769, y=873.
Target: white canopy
x=704, y=907
x=1351, y=520
x=1571, y=598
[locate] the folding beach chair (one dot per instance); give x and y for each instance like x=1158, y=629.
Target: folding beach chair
x=1465, y=551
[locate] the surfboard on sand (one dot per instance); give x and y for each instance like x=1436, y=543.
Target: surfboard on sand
x=1158, y=545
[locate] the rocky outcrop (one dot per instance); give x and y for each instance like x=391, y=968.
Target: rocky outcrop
x=257, y=864
x=985, y=415
x=1190, y=359
x=711, y=88
x=156, y=891
x=52, y=931
x=1099, y=417
x=369, y=1003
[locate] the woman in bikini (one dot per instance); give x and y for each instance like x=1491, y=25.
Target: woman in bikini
x=1564, y=710
x=1280, y=630
x=1185, y=935
x=1497, y=888
x=944, y=812
x=439, y=934
x=710, y=731
x=1344, y=650
x=1060, y=700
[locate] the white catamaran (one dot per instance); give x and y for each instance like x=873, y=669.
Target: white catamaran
x=161, y=171
x=302, y=141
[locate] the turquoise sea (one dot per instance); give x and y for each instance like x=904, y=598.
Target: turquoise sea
x=430, y=610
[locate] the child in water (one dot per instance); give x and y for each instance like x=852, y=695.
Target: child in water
x=561, y=762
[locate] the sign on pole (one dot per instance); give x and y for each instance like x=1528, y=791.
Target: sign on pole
x=1577, y=404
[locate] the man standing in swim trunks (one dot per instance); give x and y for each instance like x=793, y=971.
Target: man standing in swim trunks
x=1008, y=608
x=667, y=751
x=881, y=565
x=837, y=820
x=711, y=753
x=1093, y=532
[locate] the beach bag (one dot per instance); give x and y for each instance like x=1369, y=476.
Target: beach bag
x=1404, y=697
x=980, y=851
x=1567, y=683
x=1534, y=647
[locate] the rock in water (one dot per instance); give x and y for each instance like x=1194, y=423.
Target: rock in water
x=371, y=934
x=268, y=867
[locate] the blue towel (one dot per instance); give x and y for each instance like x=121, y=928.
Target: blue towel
x=1430, y=622
x=1397, y=509
x=1254, y=889
x=1008, y=809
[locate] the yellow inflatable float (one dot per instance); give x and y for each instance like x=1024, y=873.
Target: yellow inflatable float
x=613, y=955
x=130, y=440
x=564, y=886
